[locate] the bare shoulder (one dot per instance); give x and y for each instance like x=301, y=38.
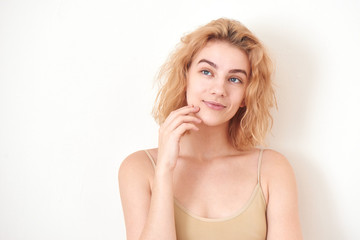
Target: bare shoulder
x=276, y=174
x=281, y=197
x=135, y=173
x=137, y=165
x=275, y=164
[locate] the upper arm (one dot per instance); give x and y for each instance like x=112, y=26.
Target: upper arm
x=282, y=209
x=135, y=192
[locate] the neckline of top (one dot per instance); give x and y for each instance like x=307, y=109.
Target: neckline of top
x=257, y=190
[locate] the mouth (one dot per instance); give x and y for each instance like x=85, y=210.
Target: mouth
x=214, y=105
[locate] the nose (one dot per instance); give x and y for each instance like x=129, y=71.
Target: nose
x=218, y=87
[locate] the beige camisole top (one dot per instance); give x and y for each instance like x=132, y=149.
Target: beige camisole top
x=248, y=223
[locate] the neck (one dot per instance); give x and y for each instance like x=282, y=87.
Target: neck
x=207, y=143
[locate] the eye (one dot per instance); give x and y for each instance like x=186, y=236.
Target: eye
x=235, y=80
x=206, y=72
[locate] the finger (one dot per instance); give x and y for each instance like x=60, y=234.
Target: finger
x=170, y=127
x=181, y=111
x=183, y=119
x=185, y=127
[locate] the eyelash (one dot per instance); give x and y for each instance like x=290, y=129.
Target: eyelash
x=208, y=73
x=203, y=72
x=240, y=81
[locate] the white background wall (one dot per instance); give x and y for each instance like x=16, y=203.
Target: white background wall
x=76, y=94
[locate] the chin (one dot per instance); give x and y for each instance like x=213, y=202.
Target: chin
x=212, y=119
x=212, y=122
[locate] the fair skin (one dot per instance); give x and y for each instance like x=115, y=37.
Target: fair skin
x=197, y=164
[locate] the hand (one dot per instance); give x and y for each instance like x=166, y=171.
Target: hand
x=170, y=133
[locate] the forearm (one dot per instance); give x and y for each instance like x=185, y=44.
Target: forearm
x=160, y=224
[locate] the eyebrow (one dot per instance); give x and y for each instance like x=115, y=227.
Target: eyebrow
x=215, y=66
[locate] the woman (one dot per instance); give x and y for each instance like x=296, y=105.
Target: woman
x=207, y=179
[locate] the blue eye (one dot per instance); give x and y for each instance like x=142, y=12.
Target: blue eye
x=206, y=72
x=235, y=80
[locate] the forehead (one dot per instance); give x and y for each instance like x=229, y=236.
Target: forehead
x=224, y=55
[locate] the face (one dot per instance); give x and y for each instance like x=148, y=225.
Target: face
x=217, y=80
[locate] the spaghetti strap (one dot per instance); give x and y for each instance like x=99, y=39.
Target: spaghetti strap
x=259, y=164
x=150, y=157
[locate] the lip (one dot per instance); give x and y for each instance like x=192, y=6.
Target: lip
x=214, y=105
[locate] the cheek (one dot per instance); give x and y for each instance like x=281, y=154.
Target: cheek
x=190, y=96
x=239, y=99
x=194, y=90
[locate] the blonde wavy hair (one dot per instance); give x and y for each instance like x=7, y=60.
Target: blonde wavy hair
x=251, y=123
